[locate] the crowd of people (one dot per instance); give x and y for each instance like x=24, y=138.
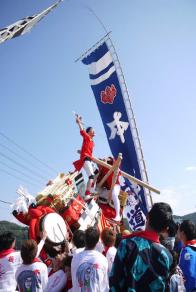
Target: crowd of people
x=160, y=258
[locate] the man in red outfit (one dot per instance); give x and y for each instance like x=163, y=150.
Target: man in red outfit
x=108, y=184
x=86, y=153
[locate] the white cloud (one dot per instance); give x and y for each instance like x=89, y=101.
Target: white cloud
x=190, y=168
x=182, y=199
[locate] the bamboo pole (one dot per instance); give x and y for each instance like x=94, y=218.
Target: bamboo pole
x=126, y=175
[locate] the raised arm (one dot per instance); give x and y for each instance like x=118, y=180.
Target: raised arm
x=79, y=122
x=41, y=243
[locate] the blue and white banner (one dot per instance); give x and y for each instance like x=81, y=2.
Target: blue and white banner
x=106, y=88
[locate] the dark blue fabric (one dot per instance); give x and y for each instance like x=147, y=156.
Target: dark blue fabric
x=96, y=55
x=130, y=162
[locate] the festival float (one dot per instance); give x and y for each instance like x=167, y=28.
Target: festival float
x=61, y=207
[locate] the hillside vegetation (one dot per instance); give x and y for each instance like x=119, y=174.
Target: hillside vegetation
x=191, y=216
x=20, y=232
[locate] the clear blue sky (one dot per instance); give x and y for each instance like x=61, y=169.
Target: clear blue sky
x=41, y=85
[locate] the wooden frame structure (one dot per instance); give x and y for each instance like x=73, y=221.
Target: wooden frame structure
x=115, y=168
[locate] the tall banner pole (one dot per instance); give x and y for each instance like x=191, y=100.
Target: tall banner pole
x=132, y=121
x=112, y=98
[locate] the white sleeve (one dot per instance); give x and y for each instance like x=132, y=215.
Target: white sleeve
x=106, y=279
x=39, y=247
x=17, y=258
x=110, y=257
x=73, y=269
x=44, y=276
x=56, y=282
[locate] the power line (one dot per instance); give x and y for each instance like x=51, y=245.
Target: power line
x=18, y=155
x=22, y=165
x=14, y=169
x=21, y=179
x=9, y=203
x=27, y=152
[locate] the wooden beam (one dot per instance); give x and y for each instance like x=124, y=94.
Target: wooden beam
x=126, y=175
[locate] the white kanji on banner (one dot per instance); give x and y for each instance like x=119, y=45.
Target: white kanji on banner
x=118, y=127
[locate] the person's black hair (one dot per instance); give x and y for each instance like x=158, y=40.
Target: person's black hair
x=118, y=240
x=172, y=229
x=66, y=262
x=6, y=240
x=160, y=216
x=189, y=229
x=91, y=237
x=110, y=160
x=88, y=129
x=79, y=238
x=64, y=247
x=50, y=250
